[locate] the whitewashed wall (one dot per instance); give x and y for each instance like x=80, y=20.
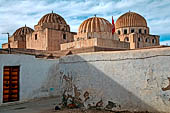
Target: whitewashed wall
x=127, y=80
x=37, y=76
x=132, y=80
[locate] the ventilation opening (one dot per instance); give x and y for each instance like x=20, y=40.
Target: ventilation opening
x=118, y=32
x=147, y=40
x=132, y=30
x=125, y=31
x=64, y=36
x=139, y=39
x=145, y=31
x=153, y=41
x=35, y=36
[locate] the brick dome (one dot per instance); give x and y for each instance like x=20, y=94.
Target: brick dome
x=95, y=24
x=131, y=19
x=23, y=31
x=52, y=18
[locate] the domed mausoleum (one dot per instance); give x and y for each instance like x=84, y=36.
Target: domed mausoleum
x=53, y=21
x=23, y=31
x=18, y=39
x=95, y=24
x=95, y=33
x=131, y=19
x=132, y=27
x=95, y=27
x=51, y=31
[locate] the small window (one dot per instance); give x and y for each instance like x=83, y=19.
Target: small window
x=139, y=39
x=153, y=41
x=140, y=31
x=132, y=30
x=118, y=32
x=23, y=31
x=35, y=36
x=127, y=39
x=125, y=31
x=145, y=31
x=64, y=36
x=147, y=40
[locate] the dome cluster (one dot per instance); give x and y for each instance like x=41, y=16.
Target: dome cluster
x=48, y=18
x=94, y=24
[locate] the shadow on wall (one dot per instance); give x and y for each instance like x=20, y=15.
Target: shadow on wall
x=85, y=83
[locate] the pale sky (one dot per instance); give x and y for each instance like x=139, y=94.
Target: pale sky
x=16, y=13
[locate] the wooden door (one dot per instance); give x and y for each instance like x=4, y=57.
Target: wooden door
x=11, y=84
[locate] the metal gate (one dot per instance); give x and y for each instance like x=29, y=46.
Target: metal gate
x=11, y=84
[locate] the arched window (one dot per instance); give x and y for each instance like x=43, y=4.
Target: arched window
x=35, y=36
x=153, y=41
x=132, y=30
x=147, y=40
x=125, y=31
x=126, y=39
x=140, y=31
x=118, y=32
x=139, y=39
x=145, y=31
x=64, y=36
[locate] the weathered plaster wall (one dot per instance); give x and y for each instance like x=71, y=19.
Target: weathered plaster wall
x=134, y=80
x=37, y=76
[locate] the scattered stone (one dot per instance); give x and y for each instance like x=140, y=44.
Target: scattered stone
x=57, y=108
x=99, y=104
x=71, y=106
x=110, y=105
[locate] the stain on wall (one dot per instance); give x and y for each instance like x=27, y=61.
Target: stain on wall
x=168, y=87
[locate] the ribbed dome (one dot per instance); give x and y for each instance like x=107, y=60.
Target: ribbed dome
x=23, y=31
x=131, y=19
x=95, y=24
x=52, y=18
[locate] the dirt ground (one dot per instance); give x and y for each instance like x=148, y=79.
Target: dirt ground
x=87, y=111
x=47, y=105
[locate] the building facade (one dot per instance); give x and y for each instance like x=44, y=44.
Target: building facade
x=95, y=32
x=132, y=27
x=51, y=31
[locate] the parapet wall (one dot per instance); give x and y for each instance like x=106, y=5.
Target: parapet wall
x=98, y=42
